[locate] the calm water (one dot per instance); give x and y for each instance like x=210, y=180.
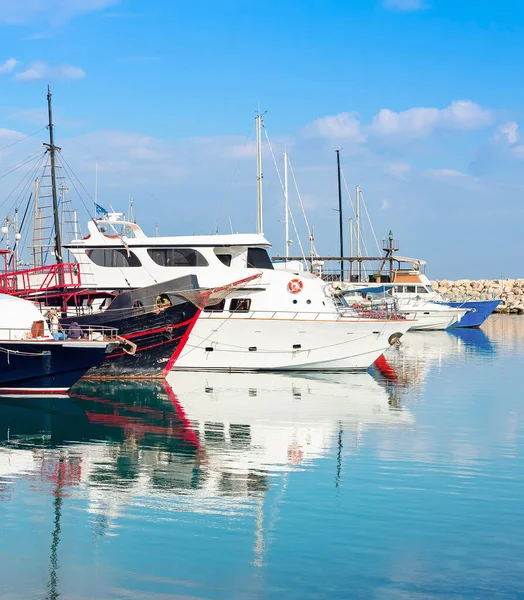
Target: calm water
x=274, y=486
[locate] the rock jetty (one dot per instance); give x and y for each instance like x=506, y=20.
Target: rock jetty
x=509, y=291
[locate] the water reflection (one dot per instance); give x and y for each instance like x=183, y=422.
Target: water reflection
x=215, y=435
x=421, y=352
x=270, y=485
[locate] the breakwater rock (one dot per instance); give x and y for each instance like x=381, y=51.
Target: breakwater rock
x=509, y=291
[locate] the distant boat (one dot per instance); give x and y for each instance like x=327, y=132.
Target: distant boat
x=33, y=362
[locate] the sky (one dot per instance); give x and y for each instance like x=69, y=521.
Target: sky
x=423, y=98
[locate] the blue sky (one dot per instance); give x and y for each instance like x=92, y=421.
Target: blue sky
x=423, y=96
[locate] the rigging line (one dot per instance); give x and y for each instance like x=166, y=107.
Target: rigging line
x=369, y=219
x=347, y=191
x=282, y=187
x=23, y=180
x=354, y=210
x=64, y=163
x=299, y=197
x=26, y=181
x=298, y=237
x=145, y=190
x=20, y=165
x=22, y=139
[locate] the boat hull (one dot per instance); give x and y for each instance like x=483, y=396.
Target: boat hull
x=47, y=366
x=158, y=336
x=477, y=311
x=256, y=344
x=432, y=320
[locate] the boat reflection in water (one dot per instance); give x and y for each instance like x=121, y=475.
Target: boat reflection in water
x=419, y=353
x=213, y=444
x=209, y=436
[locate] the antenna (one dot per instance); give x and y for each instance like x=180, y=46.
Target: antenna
x=260, y=220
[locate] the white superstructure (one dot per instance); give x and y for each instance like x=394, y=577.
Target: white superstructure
x=282, y=320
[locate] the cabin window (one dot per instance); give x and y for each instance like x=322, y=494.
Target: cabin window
x=258, y=258
x=107, y=257
x=240, y=305
x=411, y=289
x=225, y=259
x=421, y=290
x=219, y=307
x=177, y=257
x=399, y=289
x=430, y=288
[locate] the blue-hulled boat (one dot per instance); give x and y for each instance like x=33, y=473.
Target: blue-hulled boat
x=33, y=360
x=477, y=311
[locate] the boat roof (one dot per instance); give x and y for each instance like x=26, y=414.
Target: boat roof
x=215, y=241
x=408, y=259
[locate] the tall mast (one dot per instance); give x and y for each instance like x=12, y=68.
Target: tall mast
x=340, y=218
x=51, y=148
x=286, y=202
x=260, y=223
x=357, y=217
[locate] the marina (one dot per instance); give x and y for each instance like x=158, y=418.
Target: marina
x=215, y=381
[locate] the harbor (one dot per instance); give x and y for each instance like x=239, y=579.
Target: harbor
x=203, y=389
x=261, y=301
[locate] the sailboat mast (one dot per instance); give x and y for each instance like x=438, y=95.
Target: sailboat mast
x=260, y=224
x=286, y=202
x=340, y=218
x=359, y=236
x=51, y=148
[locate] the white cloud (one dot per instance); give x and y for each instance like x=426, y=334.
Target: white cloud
x=55, y=12
x=385, y=204
x=508, y=133
x=398, y=170
x=8, y=65
x=404, y=5
x=38, y=69
x=414, y=123
x=9, y=135
x=446, y=174
x=421, y=122
x=344, y=126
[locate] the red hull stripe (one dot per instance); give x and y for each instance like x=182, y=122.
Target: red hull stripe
x=111, y=356
x=128, y=336
x=180, y=347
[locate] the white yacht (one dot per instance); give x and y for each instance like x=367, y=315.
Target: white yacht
x=278, y=320
x=414, y=297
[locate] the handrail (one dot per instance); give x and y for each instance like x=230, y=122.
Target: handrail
x=88, y=331
x=50, y=277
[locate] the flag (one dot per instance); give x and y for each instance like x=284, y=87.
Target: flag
x=100, y=210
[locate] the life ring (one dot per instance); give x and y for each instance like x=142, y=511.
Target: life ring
x=295, y=286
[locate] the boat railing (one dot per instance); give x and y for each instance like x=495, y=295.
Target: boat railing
x=40, y=279
x=363, y=312
x=38, y=331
